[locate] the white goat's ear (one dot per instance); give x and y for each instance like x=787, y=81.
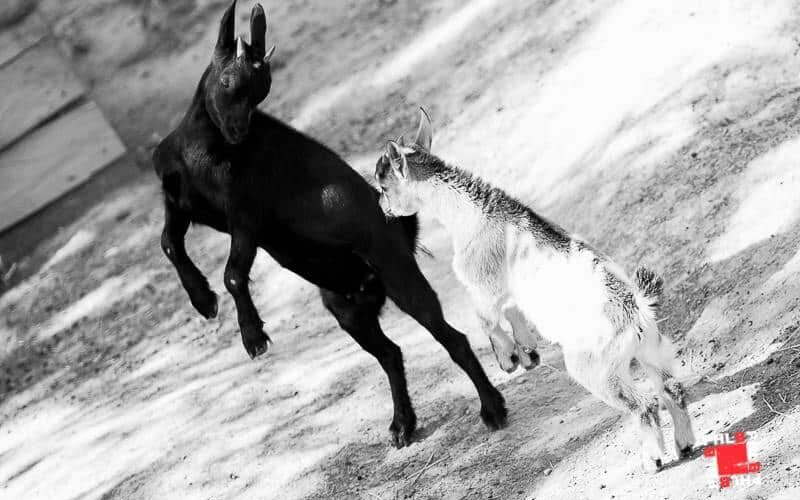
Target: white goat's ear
x=397, y=158
x=424, y=136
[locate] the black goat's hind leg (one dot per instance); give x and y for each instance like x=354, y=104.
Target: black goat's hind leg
x=412, y=293
x=176, y=223
x=237, y=278
x=357, y=314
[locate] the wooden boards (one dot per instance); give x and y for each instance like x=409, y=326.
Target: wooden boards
x=15, y=39
x=34, y=86
x=50, y=139
x=53, y=159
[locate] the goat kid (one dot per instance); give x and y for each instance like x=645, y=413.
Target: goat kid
x=515, y=263
x=240, y=171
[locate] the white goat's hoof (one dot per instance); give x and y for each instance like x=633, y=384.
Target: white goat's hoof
x=651, y=466
x=528, y=358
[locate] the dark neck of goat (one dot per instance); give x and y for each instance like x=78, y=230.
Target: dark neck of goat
x=197, y=121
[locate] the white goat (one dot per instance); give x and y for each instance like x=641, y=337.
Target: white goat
x=518, y=265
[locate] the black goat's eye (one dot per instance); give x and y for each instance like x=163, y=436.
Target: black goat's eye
x=225, y=82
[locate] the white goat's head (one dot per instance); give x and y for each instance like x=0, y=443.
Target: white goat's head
x=401, y=168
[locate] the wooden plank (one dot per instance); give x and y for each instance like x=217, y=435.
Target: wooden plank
x=54, y=159
x=19, y=37
x=32, y=87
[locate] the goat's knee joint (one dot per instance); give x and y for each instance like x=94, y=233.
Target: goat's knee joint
x=649, y=415
x=235, y=282
x=168, y=247
x=676, y=391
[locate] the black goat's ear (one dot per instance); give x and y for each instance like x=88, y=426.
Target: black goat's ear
x=226, y=42
x=258, y=30
x=397, y=158
x=424, y=136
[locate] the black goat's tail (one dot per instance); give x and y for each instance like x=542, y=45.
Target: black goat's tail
x=410, y=225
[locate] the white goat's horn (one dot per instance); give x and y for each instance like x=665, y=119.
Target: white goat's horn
x=239, y=48
x=269, y=55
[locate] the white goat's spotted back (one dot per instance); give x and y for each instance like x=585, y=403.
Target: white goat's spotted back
x=562, y=292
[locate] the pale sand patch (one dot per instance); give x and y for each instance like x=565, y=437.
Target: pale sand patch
x=767, y=201
x=95, y=302
x=637, y=67
x=395, y=66
x=80, y=240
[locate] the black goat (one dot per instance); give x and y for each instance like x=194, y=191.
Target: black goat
x=235, y=169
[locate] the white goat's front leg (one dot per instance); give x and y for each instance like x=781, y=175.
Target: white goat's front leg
x=525, y=337
x=479, y=267
x=505, y=350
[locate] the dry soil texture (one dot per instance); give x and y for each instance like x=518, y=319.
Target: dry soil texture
x=667, y=133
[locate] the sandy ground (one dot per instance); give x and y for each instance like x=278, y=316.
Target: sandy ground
x=666, y=133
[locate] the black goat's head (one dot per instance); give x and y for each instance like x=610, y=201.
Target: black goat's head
x=239, y=76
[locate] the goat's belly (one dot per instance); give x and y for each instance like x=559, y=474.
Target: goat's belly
x=564, y=296
x=332, y=268
x=211, y=220
x=203, y=213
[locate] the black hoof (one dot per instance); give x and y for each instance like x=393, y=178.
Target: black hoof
x=402, y=430
x=257, y=346
x=686, y=452
x=206, y=304
x=659, y=464
x=494, y=414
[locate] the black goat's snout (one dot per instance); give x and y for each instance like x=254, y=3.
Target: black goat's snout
x=238, y=132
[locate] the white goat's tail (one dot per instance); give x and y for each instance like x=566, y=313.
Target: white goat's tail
x=647, y=293
x=649, y=287
x=656, y=350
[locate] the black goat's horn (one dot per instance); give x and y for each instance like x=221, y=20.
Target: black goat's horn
x=269, y=55
x=225, y=39
x=258, y=29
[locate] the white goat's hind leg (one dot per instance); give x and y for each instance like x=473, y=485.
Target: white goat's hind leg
x=610, y=381
x=657, y=357
x=525, y=338
x=671, y=393
x=684, y=436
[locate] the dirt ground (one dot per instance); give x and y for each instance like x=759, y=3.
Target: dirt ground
x=665, y=133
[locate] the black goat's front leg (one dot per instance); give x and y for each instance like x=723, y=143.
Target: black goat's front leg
x=237, y=279
x=176, y=223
